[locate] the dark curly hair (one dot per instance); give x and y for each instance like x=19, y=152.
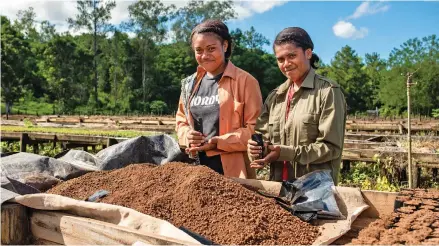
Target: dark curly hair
x=219, y=29
x=298, y=37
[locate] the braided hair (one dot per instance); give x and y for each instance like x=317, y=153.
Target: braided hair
x=298, y=37
x=219, y=29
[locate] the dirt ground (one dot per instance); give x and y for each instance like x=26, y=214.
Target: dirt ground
x=415, y=221
x=197, y=198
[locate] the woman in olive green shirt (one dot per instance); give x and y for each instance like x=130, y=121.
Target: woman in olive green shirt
x=304, y=118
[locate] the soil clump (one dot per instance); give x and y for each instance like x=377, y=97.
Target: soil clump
x=415, y=222
x=197, y=198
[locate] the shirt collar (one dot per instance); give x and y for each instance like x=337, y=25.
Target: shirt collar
x=308, y=82
x=230, y=71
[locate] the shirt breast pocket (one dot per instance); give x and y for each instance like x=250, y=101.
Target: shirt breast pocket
x=274, y=130
x=310, y=128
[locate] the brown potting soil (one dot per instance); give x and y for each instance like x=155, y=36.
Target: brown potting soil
x=197, y=198
x=416, y=222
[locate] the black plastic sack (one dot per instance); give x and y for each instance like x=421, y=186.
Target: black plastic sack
x=158, y=150
x=311, y=196
x=26, y=173
x=21, y=170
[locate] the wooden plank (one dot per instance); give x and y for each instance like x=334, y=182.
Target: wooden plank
x=356, y=227
x=68, y=229
x=368, y=155
x=40, y=241
x=363, y=145
x=381, y=203
x=15, y=224
x=385, y=137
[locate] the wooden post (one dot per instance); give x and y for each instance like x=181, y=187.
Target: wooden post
x=24, y=140
x=346, y=166
x=409, y=139
x=64, y=146
x=401, y=129
x=417, y=181
x=15, y=224
x=111, y=141
x=35, y=148
x=434, y=174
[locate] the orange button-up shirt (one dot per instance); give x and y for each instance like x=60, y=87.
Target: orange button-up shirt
x=240, y=102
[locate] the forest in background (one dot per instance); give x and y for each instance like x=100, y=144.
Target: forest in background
x=136, y=67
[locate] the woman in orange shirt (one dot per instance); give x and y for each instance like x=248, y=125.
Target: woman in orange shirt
x=219, y=104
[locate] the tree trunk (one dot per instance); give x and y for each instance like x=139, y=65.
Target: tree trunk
x=115, y=67
x=8, y=109
x=144, y=71
x=95, y=54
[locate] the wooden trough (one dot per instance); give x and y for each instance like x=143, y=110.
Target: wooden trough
x=22, y=225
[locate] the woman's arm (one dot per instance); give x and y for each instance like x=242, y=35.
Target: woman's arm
x=237, y=140
x=182, y=126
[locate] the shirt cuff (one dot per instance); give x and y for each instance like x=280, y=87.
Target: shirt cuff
x=287, y=153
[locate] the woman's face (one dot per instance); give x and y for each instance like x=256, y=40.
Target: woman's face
x=293, y=62
x=209, y=51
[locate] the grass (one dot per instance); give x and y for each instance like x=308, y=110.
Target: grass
x=31, y=107
x=75, y=131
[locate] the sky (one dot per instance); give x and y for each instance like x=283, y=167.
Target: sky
x=372, y=26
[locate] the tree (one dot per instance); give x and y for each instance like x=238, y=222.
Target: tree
x=254, y=40
x=25, y=23
x=347, y=70
x=16, y=62
x=148, y=21
x=158, y=107
x=93, y=16
x=415, y=54
x=175, y=63
x=196, y=12
x=47, y=32
x=66, y=69
x=375, y=70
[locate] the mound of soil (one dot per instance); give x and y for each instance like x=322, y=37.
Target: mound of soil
x=197, y=198
x=415, y=222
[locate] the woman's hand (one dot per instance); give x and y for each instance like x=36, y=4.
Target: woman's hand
x=253, y=149
x=272, y=156
x=195, y=138
x=210, y=145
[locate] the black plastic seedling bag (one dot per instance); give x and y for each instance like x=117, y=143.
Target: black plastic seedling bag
x=311, y=196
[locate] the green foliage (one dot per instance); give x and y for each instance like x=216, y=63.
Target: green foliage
x=435, y=113
x=78, y=131
x=195, y=12
x=422, y=56
x=16, y=64
x=367, y=176
x=347, y=70
x=158, y=107
x=31, y=105
x=28, y=123
x=45, y=72
x=67, y=71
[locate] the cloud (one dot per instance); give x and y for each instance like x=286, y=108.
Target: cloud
x=57, y=12
x=369, y=8
x=346, y=29
x=245, y=9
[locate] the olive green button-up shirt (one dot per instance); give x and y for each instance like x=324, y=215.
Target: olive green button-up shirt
x=312, y=136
